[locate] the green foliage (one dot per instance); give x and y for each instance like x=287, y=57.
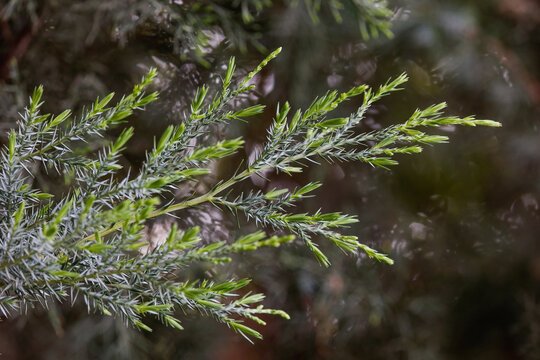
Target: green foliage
x=88, y=244
x=373, y=16
x=190, y=26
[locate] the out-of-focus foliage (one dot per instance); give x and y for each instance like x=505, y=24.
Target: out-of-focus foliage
x=189, y=28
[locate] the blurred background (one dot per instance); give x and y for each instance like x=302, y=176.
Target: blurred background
x=461, y=220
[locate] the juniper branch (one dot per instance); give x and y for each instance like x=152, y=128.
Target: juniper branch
x=88, y=243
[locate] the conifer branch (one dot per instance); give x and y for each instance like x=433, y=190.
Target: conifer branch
x=89, y=245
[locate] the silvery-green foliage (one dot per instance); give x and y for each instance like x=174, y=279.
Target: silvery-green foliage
x=88, y=244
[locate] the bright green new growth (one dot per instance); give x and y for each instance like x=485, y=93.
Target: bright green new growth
x=88, y=244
